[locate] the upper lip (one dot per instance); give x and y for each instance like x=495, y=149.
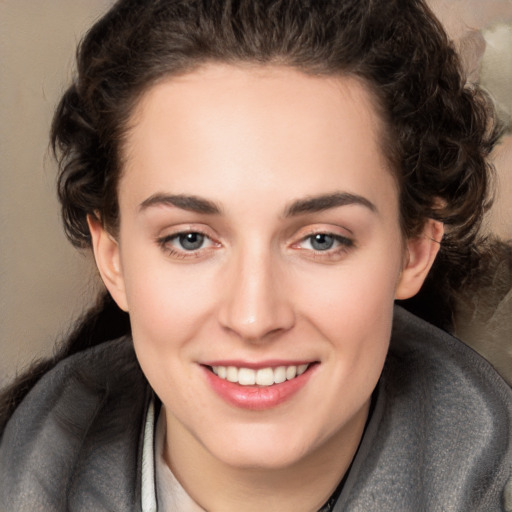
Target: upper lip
x=271, y=363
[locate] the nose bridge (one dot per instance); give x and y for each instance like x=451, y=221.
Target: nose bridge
x=256, y=304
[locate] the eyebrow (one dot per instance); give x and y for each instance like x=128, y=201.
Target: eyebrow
x=190, y=203
x=299, y=207
x=326, y=202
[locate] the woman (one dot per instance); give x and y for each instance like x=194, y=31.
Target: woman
x=259, y=181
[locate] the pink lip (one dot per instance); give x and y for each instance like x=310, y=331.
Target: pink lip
x=257, y=398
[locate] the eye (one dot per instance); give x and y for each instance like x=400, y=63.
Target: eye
x=186, y=244
x=190, y=241
x=323, y=242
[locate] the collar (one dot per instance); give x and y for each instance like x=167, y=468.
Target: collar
x=148, y=493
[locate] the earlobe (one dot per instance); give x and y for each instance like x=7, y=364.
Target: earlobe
x=421, y=253
x=106, y=254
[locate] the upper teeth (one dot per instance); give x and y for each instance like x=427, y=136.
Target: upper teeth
x=261, y=377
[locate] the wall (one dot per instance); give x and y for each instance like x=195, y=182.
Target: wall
x=42, y=285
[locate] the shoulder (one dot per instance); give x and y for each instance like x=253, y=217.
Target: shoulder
x=80, y=423
x=432, y=352
x=441, y=433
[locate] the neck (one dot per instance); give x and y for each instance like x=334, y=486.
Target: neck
x=305, y=485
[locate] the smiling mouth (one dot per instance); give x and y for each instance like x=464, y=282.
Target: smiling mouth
x=262, y=377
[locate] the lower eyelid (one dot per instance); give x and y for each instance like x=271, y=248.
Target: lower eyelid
x=182, y=254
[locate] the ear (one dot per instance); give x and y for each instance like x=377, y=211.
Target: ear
x=106, y=254
x=421, y=252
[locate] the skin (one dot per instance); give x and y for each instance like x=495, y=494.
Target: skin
x=253, y=141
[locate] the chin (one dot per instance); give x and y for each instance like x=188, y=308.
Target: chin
x=263, y=447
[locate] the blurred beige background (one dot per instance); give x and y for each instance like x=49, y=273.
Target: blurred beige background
x=482, y=32
x=44, y=282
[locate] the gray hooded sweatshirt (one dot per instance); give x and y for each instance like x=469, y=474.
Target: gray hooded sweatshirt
x=439, y=438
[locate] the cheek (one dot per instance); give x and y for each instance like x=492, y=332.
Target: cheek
x=352, y=307
x=166, y=305
x=168, y=309
x=167, y=302
x=355, y=295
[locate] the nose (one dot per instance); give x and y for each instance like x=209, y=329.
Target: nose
x=256, y=306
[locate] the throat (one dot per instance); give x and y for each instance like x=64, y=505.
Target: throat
x=215, y=483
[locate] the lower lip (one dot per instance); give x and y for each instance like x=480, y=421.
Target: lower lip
x=257, y=398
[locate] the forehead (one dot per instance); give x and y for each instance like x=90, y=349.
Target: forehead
x=239, y=127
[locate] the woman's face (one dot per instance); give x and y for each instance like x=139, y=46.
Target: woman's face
x=259, y=239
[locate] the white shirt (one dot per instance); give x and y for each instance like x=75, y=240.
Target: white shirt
x=161, y=491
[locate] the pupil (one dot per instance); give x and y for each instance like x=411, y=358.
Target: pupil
x=322, y=242
x=191, y=241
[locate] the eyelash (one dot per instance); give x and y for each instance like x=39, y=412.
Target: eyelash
x=344, y=244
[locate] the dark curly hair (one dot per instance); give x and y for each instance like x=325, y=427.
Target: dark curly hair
x=437, y=130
